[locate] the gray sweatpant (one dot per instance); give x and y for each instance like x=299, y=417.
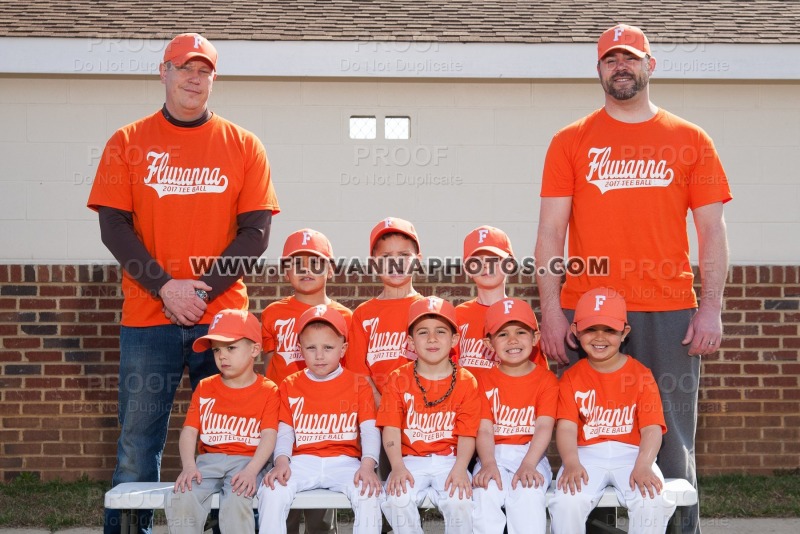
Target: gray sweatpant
x=186, y=512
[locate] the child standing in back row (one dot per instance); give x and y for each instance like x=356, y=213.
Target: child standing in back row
x=485, y=248
x=307, y=257
x=378, y=339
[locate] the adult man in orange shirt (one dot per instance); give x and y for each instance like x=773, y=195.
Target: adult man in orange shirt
x=180, y=183
x=623, y=178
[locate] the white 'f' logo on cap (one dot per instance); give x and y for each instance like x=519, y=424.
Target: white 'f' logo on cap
x=598, y=301
x=618, y=33
x=306, y=238
x=198, y=41
x=432, y=302
x=320, y=310
x=507, y=305
x=387, y=223
x=217, y=317
x=482, y=233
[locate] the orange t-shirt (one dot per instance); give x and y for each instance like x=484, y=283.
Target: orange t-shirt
x=610, y=406
x=631, y=187
x=512, y=403
x=185, y=188
x=433, y=430
x=472, y=353
x=378, y=340
x=230, y=420
x=326, y=415
x=278, y=335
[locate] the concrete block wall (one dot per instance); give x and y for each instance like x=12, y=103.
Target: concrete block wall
x=475, y=156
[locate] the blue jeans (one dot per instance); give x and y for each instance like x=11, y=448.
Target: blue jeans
x=151, y=364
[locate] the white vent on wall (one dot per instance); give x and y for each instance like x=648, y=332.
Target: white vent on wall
x=396, y=127
x=363, y=127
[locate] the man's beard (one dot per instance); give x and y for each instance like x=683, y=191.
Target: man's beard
x=628, y=92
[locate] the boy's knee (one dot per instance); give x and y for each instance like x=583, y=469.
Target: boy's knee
x=528, y=497
x=659, y=504
x=455, y=505
x=280, y=493
x=566, y=503
x=492, y=494
x=357, y=499
x=458, y=513
x=398, y=501
x=180, y=501
x=234, y=501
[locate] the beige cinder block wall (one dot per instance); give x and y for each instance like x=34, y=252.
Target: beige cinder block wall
x=474, y=156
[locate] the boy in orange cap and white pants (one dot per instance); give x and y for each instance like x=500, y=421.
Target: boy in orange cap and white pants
x=610, y=423
x=430, y=414
x=307, y=257
x=518, y=412
x=327, y=436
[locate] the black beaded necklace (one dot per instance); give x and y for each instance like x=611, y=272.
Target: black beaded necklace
x=429, y=404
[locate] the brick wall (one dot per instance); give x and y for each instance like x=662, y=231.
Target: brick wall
x=59, y=358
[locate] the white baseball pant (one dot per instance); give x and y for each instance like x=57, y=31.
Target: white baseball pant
x=430, y=474
x=314, y=472
x=525, y=507
x=609, y=464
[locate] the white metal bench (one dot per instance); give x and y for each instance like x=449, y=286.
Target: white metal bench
x=132, y=496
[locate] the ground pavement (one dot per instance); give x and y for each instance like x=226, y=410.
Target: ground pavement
x=709, y=526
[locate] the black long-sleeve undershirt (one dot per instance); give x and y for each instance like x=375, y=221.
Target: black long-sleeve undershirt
x=117, y=233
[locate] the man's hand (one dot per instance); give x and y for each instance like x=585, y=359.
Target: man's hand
x=555, y=332
x=704, y=332
x=182, y=306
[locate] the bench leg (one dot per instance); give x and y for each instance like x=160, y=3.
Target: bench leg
x=126, y=526
x=602, y=520
x=675, y=522
x=598, y=527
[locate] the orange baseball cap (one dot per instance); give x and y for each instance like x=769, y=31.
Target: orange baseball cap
x=228, y=326
x=324, y=314
x=308, y=240
x=432, y=306
x=601, y=306
x=623, y=37
x=505, y=311
x=392, y=225
x=487, y=239
x=190, y=45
